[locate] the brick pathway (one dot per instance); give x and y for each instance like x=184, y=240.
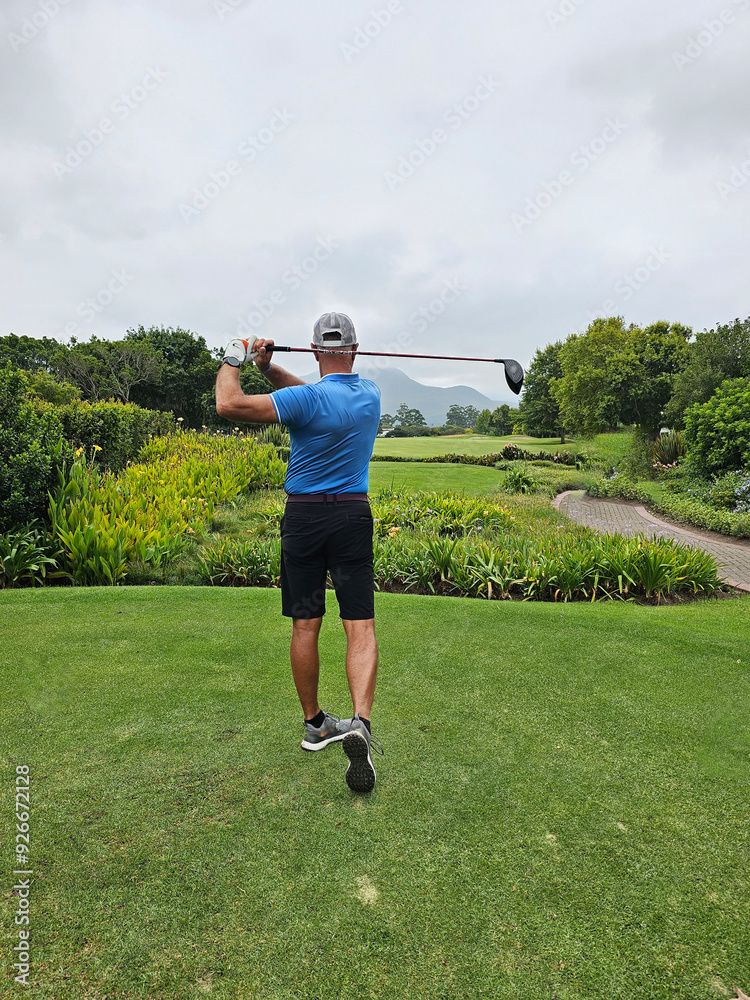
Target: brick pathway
x=619, y=518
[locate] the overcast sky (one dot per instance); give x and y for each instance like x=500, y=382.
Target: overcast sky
x=480, y=178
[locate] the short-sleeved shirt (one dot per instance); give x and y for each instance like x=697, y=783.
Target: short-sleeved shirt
x=333, y=425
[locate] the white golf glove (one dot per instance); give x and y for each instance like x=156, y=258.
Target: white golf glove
x=236, y=349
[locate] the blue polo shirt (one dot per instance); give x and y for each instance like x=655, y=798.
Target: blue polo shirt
x=333, y=425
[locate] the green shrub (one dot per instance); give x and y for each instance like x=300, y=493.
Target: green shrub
x=114, y=432
x=668, y=449
x=275, y=434
x=25, y=558
x=638, y=462
x=619, y=485
x=32, y=449
x=691, y=509
x=519, y=480
x=717, y=432
x=506, y=547
x=152, y=512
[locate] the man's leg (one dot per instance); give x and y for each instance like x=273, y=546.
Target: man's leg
x=361, y=663
x=306, y=663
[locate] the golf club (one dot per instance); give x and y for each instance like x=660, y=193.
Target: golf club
x=513, y=371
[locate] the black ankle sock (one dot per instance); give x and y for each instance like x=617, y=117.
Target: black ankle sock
x=317, y=721
x=367, y=723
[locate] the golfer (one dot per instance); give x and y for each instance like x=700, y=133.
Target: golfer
x=327, y=524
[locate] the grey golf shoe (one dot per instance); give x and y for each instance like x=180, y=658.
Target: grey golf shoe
x=332, y=730
x=358, y=744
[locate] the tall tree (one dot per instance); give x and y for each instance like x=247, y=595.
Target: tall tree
x=30, y=353
x=462, y=416
x=616, y=374
x=594, y=373
x=658, y=354
x=408, y=417
x=540, y=412
x=482, y=425
x=713, y=357
x=189, y=372
x=110, y=368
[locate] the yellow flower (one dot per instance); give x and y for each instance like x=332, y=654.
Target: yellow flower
x=97, y=448
x=79, y=451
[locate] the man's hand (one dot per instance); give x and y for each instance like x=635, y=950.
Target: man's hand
x=260, y=355
x=236, y=349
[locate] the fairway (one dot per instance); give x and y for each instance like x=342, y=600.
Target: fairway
x=469, y=444
x=561, y=811
x=475, y=480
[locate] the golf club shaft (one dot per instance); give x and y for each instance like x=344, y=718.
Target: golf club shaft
x=382, y=354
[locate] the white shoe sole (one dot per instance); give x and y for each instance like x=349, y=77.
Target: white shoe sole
x=321, y=746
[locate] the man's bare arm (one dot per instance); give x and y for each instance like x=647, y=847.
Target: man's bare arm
x=233, y=404
x=278, y=377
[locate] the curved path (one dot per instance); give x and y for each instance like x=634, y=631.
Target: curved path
x=617, y=517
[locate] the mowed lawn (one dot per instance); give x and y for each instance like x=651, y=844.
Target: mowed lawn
x=464, y=444
x=476, y=480
x=562, y=810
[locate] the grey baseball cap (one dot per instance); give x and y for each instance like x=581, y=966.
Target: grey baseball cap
x=334, y=323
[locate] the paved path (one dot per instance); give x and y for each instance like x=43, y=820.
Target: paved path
x=620, y=518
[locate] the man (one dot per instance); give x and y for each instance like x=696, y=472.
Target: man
x=327, y=524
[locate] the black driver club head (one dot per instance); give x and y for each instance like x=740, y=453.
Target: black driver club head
x=513, y=374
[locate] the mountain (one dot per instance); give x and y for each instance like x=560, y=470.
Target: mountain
x=432, y=401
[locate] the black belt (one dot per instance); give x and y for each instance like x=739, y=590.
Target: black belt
x=324, y=497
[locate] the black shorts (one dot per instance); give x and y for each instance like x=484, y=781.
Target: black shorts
x=317, y=538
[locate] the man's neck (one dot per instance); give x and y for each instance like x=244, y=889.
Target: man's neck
x=335, y=370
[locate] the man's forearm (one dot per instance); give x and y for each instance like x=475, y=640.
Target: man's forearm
x=280, y=378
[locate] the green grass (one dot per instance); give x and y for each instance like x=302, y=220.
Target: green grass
x=562, y=811
x=468, y=444
x=474, y=479
x=609, y=448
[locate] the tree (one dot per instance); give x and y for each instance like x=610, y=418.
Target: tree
x=29, y=353
x=589, y=392
x=189, y=372
x=407, y=417
x=386, y=421
x=105, y=369
x=713, y=357
x=717, y=432
x=659, y=354
x=501, y=422
x=540, y=412
x=482, y=425
x=615, y=374
x=462, y=416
